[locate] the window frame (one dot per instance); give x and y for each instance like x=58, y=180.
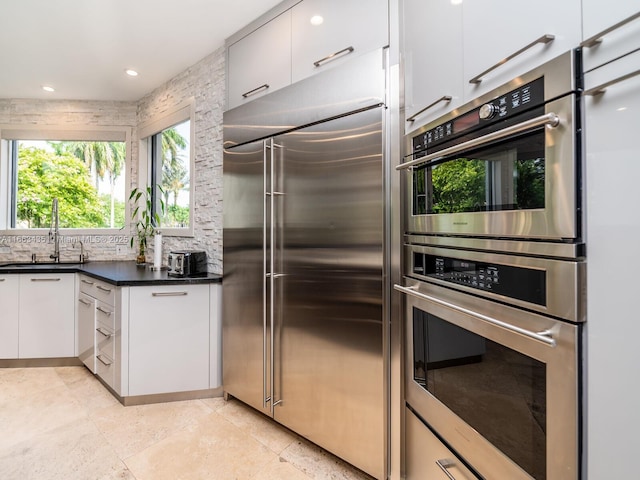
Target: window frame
x=88, y=133
x=146, y=131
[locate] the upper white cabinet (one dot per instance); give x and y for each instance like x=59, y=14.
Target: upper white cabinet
x=260, y=63
x=432, y=55
x=9, y=290
x=526, y=33
x=47, y=315
x=325, y=33
x=610, y=31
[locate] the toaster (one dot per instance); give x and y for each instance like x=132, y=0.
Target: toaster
x=187, y=263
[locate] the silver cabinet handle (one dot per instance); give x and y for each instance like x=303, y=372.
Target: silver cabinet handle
x=444, y=98
x=2, y=279
x=600, y=89
x=104, y=289
x=333, y=56
x=87, y=282
x=543, y=39
x=597, y=38
x=84, y=302
x=104, y=332
x=444, y=465
x=255, y=90
x=106, y=312
x=45, y=279
x=544, y=337
x=169, y=294
x=550, y=119
x=265, y=215
x=106, y=362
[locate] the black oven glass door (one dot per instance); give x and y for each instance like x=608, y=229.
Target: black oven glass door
x=506, y=176
x=498, y=391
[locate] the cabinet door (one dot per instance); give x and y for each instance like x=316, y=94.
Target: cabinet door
x=168, y=339
x=348, y=24
x=260, y=63
x=618, y=42
x=432, y=45
x=87, y=330
x=613, y=229
x=47, y=315
x=9, y=288
x=496, y=29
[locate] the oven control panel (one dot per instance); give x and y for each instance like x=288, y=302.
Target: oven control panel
x=526, y=284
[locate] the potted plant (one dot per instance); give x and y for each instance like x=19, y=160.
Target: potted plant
x=145, y=219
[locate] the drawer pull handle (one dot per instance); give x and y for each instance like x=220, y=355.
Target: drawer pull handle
x=255, y=90
x=45, y=279
x=104, y=332
x=444, y=98
x=99, y=287
x=169, y=294
x=596, y=39
x=106, y=312
x=543, y=39
x=84, y=302
x=600, y=89
x=333, y=56
x=2, y=279
x=106, y=362
x=444, y=465
x=87, y=282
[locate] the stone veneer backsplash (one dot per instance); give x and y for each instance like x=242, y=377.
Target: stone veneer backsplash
x=203, y=81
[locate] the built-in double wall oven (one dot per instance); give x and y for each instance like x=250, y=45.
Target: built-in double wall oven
x=493, y=284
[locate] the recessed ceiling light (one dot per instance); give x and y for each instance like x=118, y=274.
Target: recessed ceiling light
x=622, y=109
x=456, y=2
x=316, y=20
x=48, y=88
x=131, y=73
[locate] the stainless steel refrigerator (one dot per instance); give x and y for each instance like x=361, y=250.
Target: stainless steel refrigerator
x=304, y=291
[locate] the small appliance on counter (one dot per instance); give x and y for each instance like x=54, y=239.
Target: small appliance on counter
x=187, y=263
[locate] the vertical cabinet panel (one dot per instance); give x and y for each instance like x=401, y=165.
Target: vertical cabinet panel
x=9, y=290
x=87, y=330
x=260, y=63
x=432, y=46
x=47, y=316
x=346, y=24
x=613, y=230
x=168, y=339
x=496, y=29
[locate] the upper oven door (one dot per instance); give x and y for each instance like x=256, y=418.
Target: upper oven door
x=493, y=183
x=498, y=384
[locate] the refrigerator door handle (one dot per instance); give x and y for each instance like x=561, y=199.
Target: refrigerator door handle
x=265, y=205
x=276, y=184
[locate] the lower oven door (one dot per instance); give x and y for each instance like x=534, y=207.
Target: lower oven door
x=498, y=384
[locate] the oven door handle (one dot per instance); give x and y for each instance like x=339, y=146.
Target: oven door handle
x=549, y=119
x=544, y=337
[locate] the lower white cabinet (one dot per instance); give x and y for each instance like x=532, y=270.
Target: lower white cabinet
x=87, y=330
x=9, y=289
x=169, y=336
x=47, y=315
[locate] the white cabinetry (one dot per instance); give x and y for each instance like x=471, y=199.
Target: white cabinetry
x=613, y=229
x=47, y=315
x=463, y=51
x=427, y=458
x=168, y=339
x=86, y=315
x=348, y=28
x=260, y=63
x=432, y=46
x=9, y=290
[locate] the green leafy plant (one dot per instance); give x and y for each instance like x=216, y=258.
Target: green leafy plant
x=145, y=217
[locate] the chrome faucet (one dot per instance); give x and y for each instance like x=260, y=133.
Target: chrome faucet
x=54, y=231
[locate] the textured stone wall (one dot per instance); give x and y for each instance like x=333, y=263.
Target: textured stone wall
x=203, y=81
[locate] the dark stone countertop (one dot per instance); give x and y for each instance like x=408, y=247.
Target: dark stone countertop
x=117, y=273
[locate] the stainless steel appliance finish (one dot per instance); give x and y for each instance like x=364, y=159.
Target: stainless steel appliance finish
x=187, y=263
x=304, y=298
x=499, y=384
x=521, y=140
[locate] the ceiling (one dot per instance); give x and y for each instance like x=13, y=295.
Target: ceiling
x=83, y=47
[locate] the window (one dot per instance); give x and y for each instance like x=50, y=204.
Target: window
x=166, y=161
x=84, y=169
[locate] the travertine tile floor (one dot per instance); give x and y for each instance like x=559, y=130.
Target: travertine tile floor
x=62, y=424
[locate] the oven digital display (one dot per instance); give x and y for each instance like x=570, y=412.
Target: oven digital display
x=466, y=121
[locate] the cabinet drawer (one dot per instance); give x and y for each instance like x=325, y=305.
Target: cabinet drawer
x=427, y=458
x=97, y=289
x=104, y=340
x=105, y=368
x=105, y=314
